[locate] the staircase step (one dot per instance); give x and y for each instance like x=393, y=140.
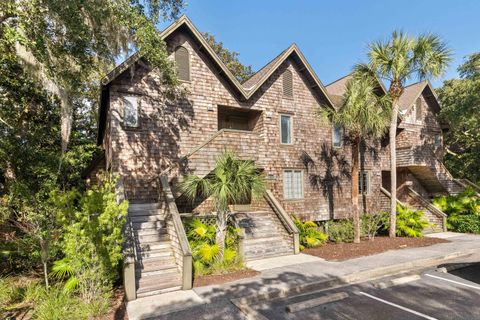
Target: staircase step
x=143, y=206
x=149, y=225
x=149, y=265
x=270, y=241
x=147, y=218
x=156, y=281
x=163, y=271
x=155, y=253
x=134, y=213
x=149, y=238
x=152, y=292
x=150, y=231
x=155, y=246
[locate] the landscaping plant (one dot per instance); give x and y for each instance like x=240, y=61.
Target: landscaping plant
x=340, y=230
x=201, y=238
x=310, y=234
x=372, y=223
x=232, y=181
x=463, y=211
x=410, y=222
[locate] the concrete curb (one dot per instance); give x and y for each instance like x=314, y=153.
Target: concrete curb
x=351, y=278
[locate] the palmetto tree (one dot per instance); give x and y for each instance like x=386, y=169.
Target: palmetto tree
x=364, y=115
x=232, y=181
x=396, y=61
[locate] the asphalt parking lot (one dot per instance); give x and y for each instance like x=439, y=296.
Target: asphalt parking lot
x=430, y=294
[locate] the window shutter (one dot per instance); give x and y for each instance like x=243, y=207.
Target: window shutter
x=287, y=83
x=182, y=61
x=418, y=109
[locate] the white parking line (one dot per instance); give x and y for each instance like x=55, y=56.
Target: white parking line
x=453, y=281
x=399, y=306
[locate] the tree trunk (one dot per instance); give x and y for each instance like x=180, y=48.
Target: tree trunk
x=44, y=257
x=221, y=232
x=355, y=210
x=393, y=169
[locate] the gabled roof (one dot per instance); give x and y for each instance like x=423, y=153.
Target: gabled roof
x=412, y=92
x=251, y=85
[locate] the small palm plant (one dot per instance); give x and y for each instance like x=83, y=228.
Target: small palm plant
x=310, y=235
x=410, y=222
x=232, y=181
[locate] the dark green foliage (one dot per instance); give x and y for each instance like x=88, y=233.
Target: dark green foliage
x=230, y=58
x=205, y=251
x=340, y=230
x=310, y=234
x=463, y=211
x=410, y=222
x=460, y=99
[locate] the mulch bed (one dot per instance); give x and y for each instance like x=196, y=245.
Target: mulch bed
x=118, y=310
x=222, y=278
x=343, y=251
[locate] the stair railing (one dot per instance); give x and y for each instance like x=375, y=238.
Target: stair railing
x=180, y=241
x=430, y=207
x=285, y=219
x=129, y=248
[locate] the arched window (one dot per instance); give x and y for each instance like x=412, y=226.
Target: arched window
x=418, y=109
x=287, y=83
x=182, y=62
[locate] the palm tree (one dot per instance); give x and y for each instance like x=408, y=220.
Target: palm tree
x=396, y=61
x=232, y=181
x=364, y=115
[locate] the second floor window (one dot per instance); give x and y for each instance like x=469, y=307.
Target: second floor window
x=337, y=136
x=285, y=129
x=130, y=111
x=363, y=182
x=182, y=62
x=293, y=184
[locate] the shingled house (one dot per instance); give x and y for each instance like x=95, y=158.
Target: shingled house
x=151, y=141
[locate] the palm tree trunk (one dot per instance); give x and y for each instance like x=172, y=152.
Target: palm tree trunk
x=221, y=232
x=393, y=169
x=355, y=211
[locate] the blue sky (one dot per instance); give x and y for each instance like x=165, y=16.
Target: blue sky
x=333, y=34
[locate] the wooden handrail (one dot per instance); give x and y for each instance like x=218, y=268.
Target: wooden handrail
x=388, y=194
x=285, y=219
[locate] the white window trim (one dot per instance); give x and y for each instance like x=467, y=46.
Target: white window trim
x=291, y=128
x=137, y=98
x=341, y=139
x=302, y=191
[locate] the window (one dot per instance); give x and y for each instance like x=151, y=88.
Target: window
x=182, y=62
x=293, y=184
x=287, y=83
x=418, y=109
x=437, y=140
x=130, y=111
x=337, y=136
x=285, y=129
x=363, y=182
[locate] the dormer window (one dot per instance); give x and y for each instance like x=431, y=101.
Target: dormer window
x=287, y=84
x=418, y=109
x=182, y=63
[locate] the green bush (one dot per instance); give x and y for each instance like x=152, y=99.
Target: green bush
x=201, y=238
x=371, y=224
x=410, y=222
x=340, y=230
x=463, y=211
x=310, y=235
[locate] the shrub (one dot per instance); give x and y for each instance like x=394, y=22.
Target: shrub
x=340, y=230
x=410, y=222
x=462, y=211
x=372, y=223
x=310, y=235
x=201, y=238
x=467, y=223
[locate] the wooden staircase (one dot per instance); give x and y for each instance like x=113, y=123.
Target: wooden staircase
x=264, y=235
x=156, y=270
